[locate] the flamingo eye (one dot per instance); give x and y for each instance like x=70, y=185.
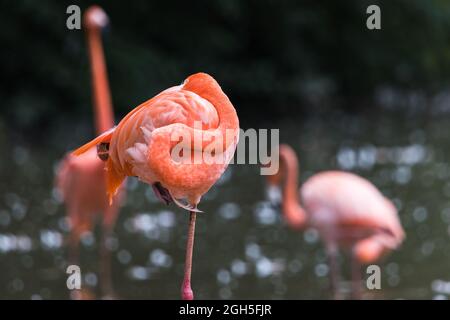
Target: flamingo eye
x=103, y=151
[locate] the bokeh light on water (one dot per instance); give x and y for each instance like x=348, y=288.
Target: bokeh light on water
x=243, y=247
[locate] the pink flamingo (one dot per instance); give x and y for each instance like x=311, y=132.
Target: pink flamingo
x=81, y=180
x=198, y=116
x=347, y=210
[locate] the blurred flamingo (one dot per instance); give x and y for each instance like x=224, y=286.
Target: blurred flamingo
x=347, y=210
x=196, y=115
x=81, y=180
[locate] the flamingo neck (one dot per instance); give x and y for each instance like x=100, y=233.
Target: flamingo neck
x=104, y=118
x=292, y=209
x=207, y=88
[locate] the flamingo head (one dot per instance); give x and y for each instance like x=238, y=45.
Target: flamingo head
x=198, y=82
x=370, y=250
x=294, y=215
x=204, y=86
x=95, y=18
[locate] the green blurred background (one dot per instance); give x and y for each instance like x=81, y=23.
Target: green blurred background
x=276, y=57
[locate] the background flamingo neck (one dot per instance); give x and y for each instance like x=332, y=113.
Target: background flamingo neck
x=104, y=118
x=294, y=213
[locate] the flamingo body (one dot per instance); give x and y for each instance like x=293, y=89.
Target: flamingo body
x=346, y=209
x=141, y=144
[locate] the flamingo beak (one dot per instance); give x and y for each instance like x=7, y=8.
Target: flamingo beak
x=164, y=195
x=186, y=206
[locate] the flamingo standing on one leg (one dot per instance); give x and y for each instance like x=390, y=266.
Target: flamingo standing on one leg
x=347, y=210
x=81, y=180
x=196, y=115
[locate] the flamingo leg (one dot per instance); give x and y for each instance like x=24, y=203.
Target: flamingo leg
x=332, y=252
x=356, y=278
x=186, y=290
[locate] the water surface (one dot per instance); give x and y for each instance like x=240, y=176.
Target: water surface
x=243, y=249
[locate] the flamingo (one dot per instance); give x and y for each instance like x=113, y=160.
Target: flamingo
x=347, y=210
x=81, y=180
x=143, y=142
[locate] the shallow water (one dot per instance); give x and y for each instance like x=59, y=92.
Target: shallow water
x=243, y=249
